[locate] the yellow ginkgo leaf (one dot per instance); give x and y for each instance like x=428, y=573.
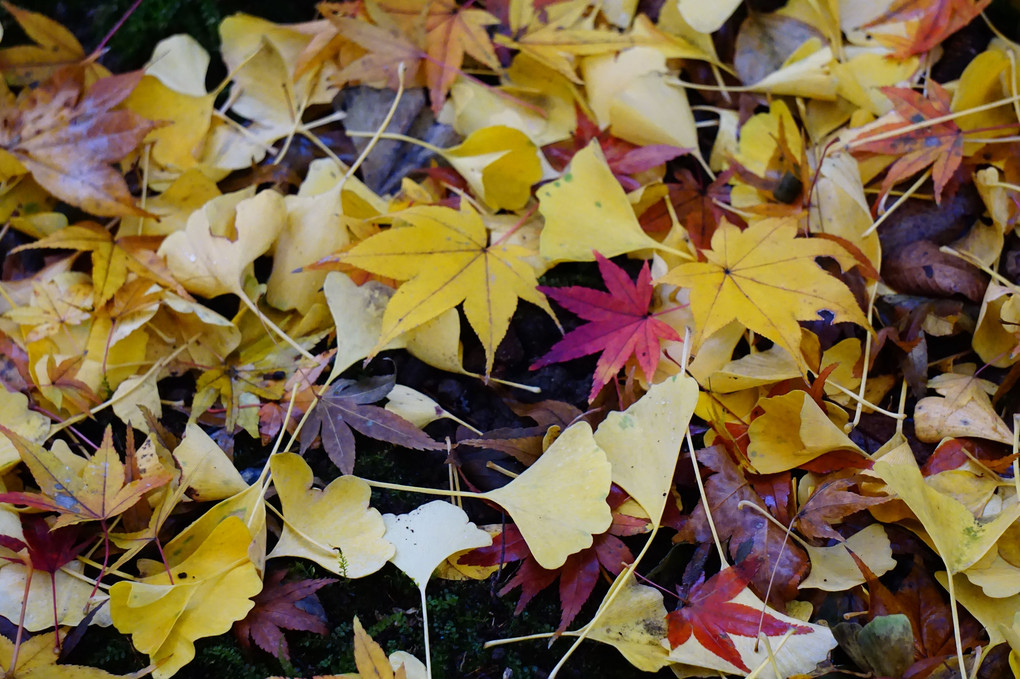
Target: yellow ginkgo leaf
x=16, y=416
x=793, y=430
x=586, y=210
x=559, y=502
x=630, y=95
x=634, y=623
x=249, y=506
x=445, y=257
x=499, y=163
x=333, y=527
x=834, y=570
x=766, y=278
x=959, y=538
x=207, y=258
x=209, y=473
x=424, y=538
x=211, y=589
x=643, y=442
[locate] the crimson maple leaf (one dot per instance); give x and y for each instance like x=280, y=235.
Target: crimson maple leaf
x=619, y=324
x=276, y=609
x=939, y=145
x=711, y=615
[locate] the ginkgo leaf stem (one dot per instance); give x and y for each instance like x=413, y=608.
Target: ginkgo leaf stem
x=425, y=628
x=382, y=127
x=975, y=262
x=1016, y=449
x=868, y=404
x=502, y=470
x=957, y=637
x=907, y=129
x=326, y=548
x=747, y=504
x=899, y=201
x=272, y=326
x=395, y=136
x=425, y=491
x=705, y=502
x=156, y=367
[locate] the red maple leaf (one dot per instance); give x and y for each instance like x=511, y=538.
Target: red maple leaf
x=939, y=145
x=696, y=205
x=276, y=609
x=578, y=575
x=624, y=159
x=619, y=324
x=936, y=21
x=712, y=617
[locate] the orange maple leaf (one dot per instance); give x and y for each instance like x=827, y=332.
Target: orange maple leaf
x=939, y=145
x=67, y=137
x=936, y=21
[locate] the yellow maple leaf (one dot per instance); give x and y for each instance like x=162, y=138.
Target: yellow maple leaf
x=766, y=279
x=446, y=258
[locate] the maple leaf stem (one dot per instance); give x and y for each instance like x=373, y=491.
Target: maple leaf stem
x=116, y=27
x=513, y=229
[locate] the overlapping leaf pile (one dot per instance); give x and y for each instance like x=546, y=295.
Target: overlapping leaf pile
x=804, y=218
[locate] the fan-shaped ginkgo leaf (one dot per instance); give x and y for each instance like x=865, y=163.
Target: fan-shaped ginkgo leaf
x=559, y=502
x=643, y=442
x=334, y=527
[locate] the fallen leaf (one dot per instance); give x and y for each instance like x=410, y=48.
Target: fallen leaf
x=277, y=608
x=334, y=527
x=445, y=257
x=619, y=325
x=559, y=502
x=345, y=405
x=97, y=492
x=766, y=279
x=67, y=136
x=210, y=590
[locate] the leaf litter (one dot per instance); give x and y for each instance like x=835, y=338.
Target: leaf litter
x=803, y=405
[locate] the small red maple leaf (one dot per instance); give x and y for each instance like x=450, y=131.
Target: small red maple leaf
x=619, y=324
x=939, y=145
x=278, y=607
x=711, y=616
